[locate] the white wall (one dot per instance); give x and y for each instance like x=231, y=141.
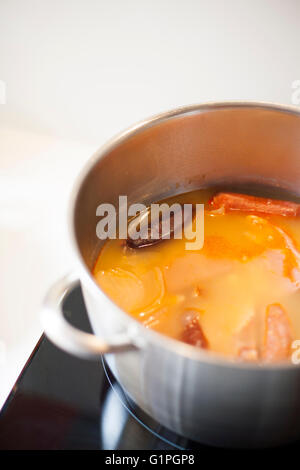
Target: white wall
x=88, y=68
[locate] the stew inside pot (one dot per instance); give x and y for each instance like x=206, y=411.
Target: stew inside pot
x=238, y=295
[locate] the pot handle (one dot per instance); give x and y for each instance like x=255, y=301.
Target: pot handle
x=69, y=338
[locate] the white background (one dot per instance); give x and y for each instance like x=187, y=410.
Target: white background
x=77, y=72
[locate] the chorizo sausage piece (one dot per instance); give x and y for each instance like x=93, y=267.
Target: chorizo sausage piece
x=278, y=335
x=245, y=203
x=193, y=334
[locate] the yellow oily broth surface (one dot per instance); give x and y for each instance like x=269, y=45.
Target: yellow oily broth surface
x=240, y=270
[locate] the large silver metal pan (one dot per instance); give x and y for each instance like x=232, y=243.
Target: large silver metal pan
x=193, y=392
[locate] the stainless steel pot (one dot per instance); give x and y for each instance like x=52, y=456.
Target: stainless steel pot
x=195, y=393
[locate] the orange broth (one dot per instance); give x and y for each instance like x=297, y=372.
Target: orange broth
x=248, y=262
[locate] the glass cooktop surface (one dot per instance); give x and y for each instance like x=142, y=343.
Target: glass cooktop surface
x=62, y=402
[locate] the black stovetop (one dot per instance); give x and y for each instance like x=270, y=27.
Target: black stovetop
x=61, y=402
